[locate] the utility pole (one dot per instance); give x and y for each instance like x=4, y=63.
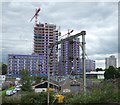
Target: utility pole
x=50, y=48
x=48, y=65
x=83, y=63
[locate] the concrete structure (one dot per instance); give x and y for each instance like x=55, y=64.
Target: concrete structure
x=110, y=61
x=34, y=63
x=45, y=34
x=96, y=74
x=89, y=65
x=70, y=57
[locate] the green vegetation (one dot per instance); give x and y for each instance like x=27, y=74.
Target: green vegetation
x=108, y=93
x=99, y=69
x=4, y=91
x=37, y=79
x=112, y=73
x=29, y=98
x=10, y=100
x=4, y=69
x=25, y=81
x=37, y=98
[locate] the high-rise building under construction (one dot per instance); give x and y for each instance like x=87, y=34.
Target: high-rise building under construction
x=70, y=57
x=45, y=34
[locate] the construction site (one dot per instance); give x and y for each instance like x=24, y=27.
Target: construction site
x=57, y=69
x=46, y=42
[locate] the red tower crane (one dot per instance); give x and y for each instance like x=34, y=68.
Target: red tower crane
x=35, y=15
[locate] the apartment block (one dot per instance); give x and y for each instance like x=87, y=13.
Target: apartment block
x=33, y=63
x=70, y=57
x=110, y=61
x=89, y=65
x=44, y=35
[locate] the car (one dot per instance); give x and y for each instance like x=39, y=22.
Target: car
x=20, y=85
x=9, y=92
x=14, y=91
x=17, y=89
x=17, y=86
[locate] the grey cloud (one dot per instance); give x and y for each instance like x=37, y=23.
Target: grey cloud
x=98, y=19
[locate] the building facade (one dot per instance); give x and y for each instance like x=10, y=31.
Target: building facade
x=45, y=34
x=70, y=57
x=110, y=61
x=33, y=63
x=89, y=65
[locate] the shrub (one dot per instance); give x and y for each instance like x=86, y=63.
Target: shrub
x=37, y=98
x=107, y=94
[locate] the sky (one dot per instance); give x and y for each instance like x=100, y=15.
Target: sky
x=98, y=19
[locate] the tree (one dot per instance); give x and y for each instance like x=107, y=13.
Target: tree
x=118, y=72
x=25, y=81
x=4, y=69
x=37, y=79
x=111, y=73
x=99, y=69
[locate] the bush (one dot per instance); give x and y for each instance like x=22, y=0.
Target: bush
x=11, y=99
x=37, y=98
x=107, y=94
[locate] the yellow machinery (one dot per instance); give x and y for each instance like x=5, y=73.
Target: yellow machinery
x=59, y=98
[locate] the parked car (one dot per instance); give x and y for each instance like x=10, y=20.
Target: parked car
x=17, y=86
x=14, y=91
x=9, y=92
x=17, y=89
x=20, y=85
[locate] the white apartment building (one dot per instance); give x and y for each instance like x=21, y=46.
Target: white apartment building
x=110, y=61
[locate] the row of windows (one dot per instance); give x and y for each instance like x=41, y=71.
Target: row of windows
x=22, y=57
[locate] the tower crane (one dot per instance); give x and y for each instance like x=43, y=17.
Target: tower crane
x=68, y=33
x=35, y=15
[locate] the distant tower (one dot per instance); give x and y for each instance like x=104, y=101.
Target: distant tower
x=89, y=65
x=70, y=57
x=110, y=61
x=45, y=34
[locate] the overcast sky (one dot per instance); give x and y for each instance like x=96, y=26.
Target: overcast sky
x=99, y=20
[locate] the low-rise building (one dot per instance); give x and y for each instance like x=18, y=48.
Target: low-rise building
x=42, y=87
x=95, y=74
